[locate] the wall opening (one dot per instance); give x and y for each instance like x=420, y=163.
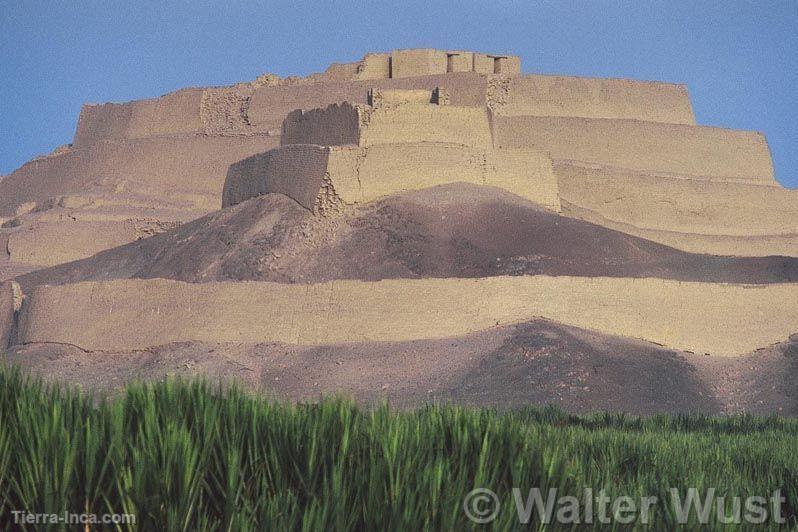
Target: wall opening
x=497, y=65
x=450, y=58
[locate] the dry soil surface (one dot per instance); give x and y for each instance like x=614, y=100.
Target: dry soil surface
x=534, y=363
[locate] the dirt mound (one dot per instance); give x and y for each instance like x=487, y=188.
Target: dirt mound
x=539, y=362
x=454, y=230
x=534, y=363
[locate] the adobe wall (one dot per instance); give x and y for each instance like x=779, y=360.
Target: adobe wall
x=417, y=62
x=410, y=123
x=460, y=61
x=484, y=64
x=509, y=65
x=248, y=109
x=341, y=71
x=335, y=125
x=718, y=319
x=261, y=106
x=360, y=175
x=174, y=113
x=363, y=174
x=712, y=244
x=51, y=243
x=381, y=97
x=296, y=171
x=705, y=152
x=669, y=203
x=374, y=66
x=225, y=110
x=270, y=105
x=526, y=173
x=191, y=169
x=539, y=95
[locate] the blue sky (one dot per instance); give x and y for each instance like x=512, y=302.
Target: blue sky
x=739, y=58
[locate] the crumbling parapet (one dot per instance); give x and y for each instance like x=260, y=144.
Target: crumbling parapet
x=427, y=61
x=395, y=117
x=334, y=125
x=417, y=62
x=374, y=66
x=225, y=111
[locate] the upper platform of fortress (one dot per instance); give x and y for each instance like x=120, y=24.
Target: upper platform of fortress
x=470, y=79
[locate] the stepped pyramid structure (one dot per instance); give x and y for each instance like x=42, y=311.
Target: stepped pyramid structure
x=411, y=197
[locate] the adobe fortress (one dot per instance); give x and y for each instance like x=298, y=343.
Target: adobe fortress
x=619, y=159
x=624, y=154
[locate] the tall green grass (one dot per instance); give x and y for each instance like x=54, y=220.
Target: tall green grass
x=191, y=456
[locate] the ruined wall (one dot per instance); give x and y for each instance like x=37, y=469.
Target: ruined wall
x=460, y=61
x=417, y=62
x=341, y=71
x=381, y=97
x=527, y=173
x=388, y=169
x=174, y=113
x=410, y=122
x=297, y=171
x=225, y=110
x=363, y=174
x=270, y=105
x=507, y=65
x=682, y=205
x=706, y=152
x=51, y=243
x=261, y=105
x=537, y=95
x=336, y=125
x=191, y=169
x=712, y=244
x=719, y=319
x=484, y=64
x=374, y=66
x=104, y=215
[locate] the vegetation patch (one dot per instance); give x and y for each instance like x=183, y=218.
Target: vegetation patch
x=194, y=456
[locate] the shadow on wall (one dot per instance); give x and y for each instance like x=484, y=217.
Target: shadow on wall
x=277, y=171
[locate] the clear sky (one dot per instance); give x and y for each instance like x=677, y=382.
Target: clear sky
x=739, y=58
